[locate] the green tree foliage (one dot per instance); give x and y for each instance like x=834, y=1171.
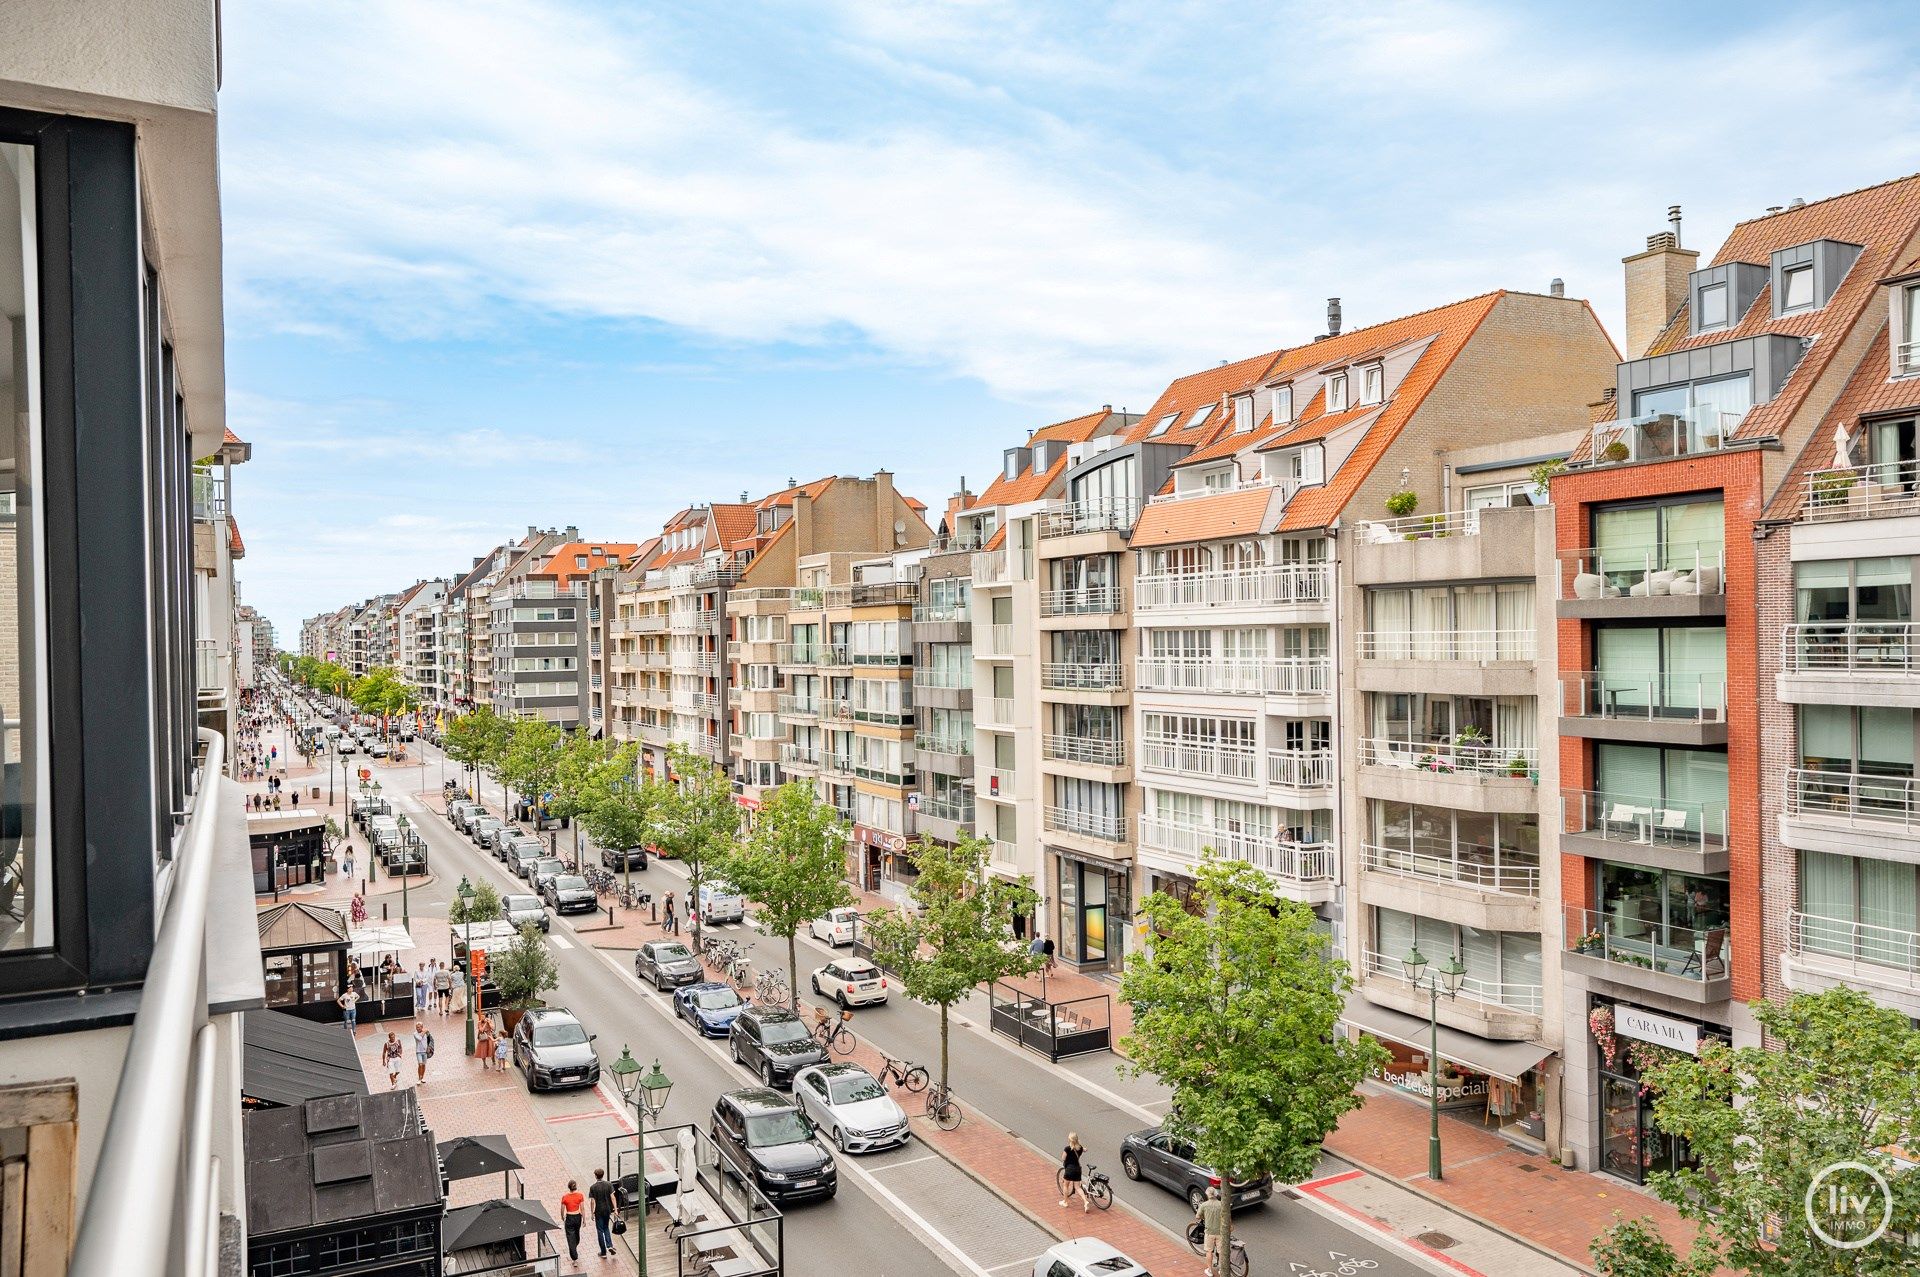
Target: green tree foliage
x=532, y=758
x=382, y=691
x=793, y=865
x=485, y=906
x=959, y=933
x=1839, y=1081
x=1236, y=1010
x=615, y=806
x=524, y=971
x=698, y=821
x=478, y=738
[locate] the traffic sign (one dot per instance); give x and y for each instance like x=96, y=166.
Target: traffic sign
x=478, y=962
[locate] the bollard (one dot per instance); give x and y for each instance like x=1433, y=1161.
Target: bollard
x=383, y=911
x=609, y=915
x=653, y=910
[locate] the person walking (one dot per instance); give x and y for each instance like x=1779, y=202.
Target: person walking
x=1070, y=1173
x=671, y=925
x=349, y=1001
x=422, y=1051
x=483, y=1043
x=390, y=1057
x=572, y=1214
x=1213, y=1222
x=1046, y=951
x=602, y=1195
x=502, y=1051
x=443, y=991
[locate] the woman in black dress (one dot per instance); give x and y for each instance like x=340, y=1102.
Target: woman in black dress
x=1070, y=1172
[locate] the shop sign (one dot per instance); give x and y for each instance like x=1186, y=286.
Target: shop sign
x=1468, y=1087
x=884, y=839
x=751, y=804
x=1631, y=1022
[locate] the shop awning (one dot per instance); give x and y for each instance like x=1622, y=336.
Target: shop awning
x=1506, y=1060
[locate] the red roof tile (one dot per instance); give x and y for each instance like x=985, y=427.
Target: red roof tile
x=235, y=546
x=561, y=561
x=1227, y=514
x=1870, y=392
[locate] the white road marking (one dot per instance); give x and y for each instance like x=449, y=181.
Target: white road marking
x=560, y=941
x=892, y=1166
x=946, y=1244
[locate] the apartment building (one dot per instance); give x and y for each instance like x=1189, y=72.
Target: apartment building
x=538, y=641
x=491, y=615
x=639, y=687
x=217, y=546
x=416, y=636
x=127, y=944
x=1738, y=780
x=943, y=804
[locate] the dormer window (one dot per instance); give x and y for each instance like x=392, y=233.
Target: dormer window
x=1713, y=306
x=1163, y=425
x=1282, y=405
x=1217, y=480
x=1796, y=287
x=1373, y=382
x=1906, y=350
x=1337, y=392
x=1243, y=412
x=579, y=560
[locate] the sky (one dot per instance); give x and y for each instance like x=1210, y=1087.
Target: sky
x=499, y=263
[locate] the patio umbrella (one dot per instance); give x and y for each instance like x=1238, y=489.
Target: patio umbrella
x=470, y=1156
x=368, y=941
x=1842, y=447
x=492, y=1222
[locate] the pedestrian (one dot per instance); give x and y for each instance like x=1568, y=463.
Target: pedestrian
x=349, y=1002
x=602, y=1195
x=443, y=991
x=572, y=1214
x=346, y=862
x=422, y=1050
x=1070, y=1172
x=390, y=1057
x=670, y=926
x=501, y=1048
x=1046, y=950
x=483, y=1043
x=1213, y=1222
x=422, y=989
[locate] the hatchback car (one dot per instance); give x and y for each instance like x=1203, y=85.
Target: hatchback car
x=836, y=927
x=773, y=1043
x=545, y=871
x=552, y=1050
x=849, y=1106
x=764, y=1135
x=346, y=745
x=852, y=982
x=479, y=829
x=667, y=964
x=569, y=893
x=709, y=1006
x=1086, y=1257
x=619, y=861
x=378, y=748
x=522, y=911
x=1157, y=1157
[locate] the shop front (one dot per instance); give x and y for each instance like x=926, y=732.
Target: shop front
x=1631, y=1040
x=882, y=864
x=1093, y=906
x=289, y=850
x=1499, y=1085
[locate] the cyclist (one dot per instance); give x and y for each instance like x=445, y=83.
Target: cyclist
x=1213, y=1219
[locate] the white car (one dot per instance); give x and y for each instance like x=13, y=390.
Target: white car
x=852, y=982
x=345, y=745
x=377, y=748
x=1086, y=1257
x=848, y=1105
x=836, y=928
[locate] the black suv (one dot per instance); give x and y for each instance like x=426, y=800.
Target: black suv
x=774, y=1043
x=619, y=861
x=553, y=1050
x=765, y=1135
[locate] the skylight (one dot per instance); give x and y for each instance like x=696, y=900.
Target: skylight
x=1163, y=425
x=1200, y=414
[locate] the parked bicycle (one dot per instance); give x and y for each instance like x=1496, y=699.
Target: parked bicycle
x=770, y=989
x=1236, y=1249
x=831, y=1032
x=1096, y=1185
x=942, y=1107
x=740, y=972
x=904, y=1072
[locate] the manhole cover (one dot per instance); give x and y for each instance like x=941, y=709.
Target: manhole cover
x=1439, y=1241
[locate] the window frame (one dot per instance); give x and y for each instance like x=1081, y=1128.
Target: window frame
x=1788, y=274
x=1338, y=383
x=1724, y=291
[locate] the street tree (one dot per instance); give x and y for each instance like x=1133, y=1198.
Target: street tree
x=959, y=933
x=620, y=808
x=578, y=781
x=1236, y=1011
x=476, y=738
x=1837, y=1082
x=793, y=865
x=382, y=691
x=524, y=971
x=532, y=758
x=699, y=823
x=483, y=906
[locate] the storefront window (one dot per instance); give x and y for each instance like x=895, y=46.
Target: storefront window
x=1632, y=1145
x=1514, y=1106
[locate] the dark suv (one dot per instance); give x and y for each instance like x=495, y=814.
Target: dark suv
x=774, y=1043
x=1154, y=1155
x=764, y=1134
x=620, y=861
x=553, y=1050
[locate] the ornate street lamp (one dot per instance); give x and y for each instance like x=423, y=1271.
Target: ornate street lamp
x=406, y=918
x=466, y=893
x=648, y=1095
x=1446, y=979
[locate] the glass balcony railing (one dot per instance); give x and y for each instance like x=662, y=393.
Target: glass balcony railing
x=1655, y=436
x=948, y=746
x=1455, y=754
x=1645, y=695
x=1622, y=937
x=1666, y=822
x=1648, y=571
x=1114, y=514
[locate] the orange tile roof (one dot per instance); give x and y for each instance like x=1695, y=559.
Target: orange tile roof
x=560, y=561
x=1229, y=514
x=785, y=495
x=1196, y=390
x=998, y=539
x=1870, y=392
x=734, y=523
x=1072, y=430
x=1234, y=443
x=1029, y=486
x=235, y=546
x=232, y=437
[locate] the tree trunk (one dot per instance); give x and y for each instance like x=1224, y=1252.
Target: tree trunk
x=793, y=969
x=1226, y=1232
x=944, y=1008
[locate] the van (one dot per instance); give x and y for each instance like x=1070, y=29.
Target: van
x=383, y=832
x=720, y=902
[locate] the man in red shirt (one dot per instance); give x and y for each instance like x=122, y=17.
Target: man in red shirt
x=573, y=1205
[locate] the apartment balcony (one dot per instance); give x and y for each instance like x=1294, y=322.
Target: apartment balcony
x=994, y=713
x=696, y=663
x=836, y=711
x=1645, y=707
x=1447, y=662
x=703, y=703
x=1679, y=581
x=1201, y=760
x=834, y=764
x=944, y=818
x=1492, y=888
x=894, y=660
x=209, y=497
x=1105, y=826
x=942, y=680
x=1882, y=962
x=799, y=707
x=652, y=697
x=1498, y=543
x=1005, y=856
x=1303, y=772
x=897, y=775
x=799, y=758
x=1307, y=588
x=1469, y=775
x=874, y=594
x=949, y=746
x=1889, y=490
x=1835, y=811
x=1660, y=436
x=1273, y=676
x=1850, y=663
x=796, y=655
x=1488, y=1009
x=646, y=623
x=990, y=567
x=828, y=656
x=1083, y=676
x=1084, y=601
x=999, y=645
x=884, y=715
x=1666, y=834
x=694, y=623
x=1652, y=957
x=1114, y=515
x=1091, y=751
x=1300, y=870
x=995, y=783
x=623, y=696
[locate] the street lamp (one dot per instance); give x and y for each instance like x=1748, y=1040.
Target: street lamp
x=648, y=1096
x=1446, y=980
x=466, y=893
x=406, y=918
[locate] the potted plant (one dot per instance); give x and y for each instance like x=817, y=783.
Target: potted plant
x=522, y=974
x=1615, y=451
x=1517, y=767
x=1402, y=503
x=1832, y=486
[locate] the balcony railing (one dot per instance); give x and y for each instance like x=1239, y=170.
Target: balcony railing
x=1694, y=568
x=1420, y=527
x=1094, y=750
x=1108, y=826
x=996, y=711
x=209, y=497
x=1300, y=768
x=1085, y=676
x=1656, y=435
x=1469, y=865
x=951, y=680
x=859, y=657
x=1277, y=585
x=836, y=711
x=1273, y=675
x=1644, y=695
x=990, y=567
x=1447, y=645
x=1663, y=948
x=949, y=746
x=1514, y=997
x=1880, y=490
x=1092, y=600
x=1850, y=647
x=994, y=782
x=1005, y=853
x=885, y=715
x=1302, y=862
x=960, y=811
x=1113, y=514
x=151, y=1205
x=1885, y=954
x=796, y=653
x=1444, y=757
x=999, y=640
x=799, y=756
x=1856, y=797
x=799, y=707
x=836, y=763
x=831, y=656
x=1195, y=758
x=900, y=775
x=935, y=613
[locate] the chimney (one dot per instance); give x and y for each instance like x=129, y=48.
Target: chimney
x=802, y=525
x=1557, y=287
x=1333, y=316
x=1656, y=285
x=883, y=514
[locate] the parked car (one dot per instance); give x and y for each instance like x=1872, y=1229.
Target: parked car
x=479, y=829
x=569, y=893
x=1156, y=1157
x=709, y=1006
x=773, y=1043
x=764, y=1135
x=346, y=745
x=461, y=811
x=498, y=840
x=720, y=902
x=522, y=860
x=523, y=843
x=619, y=861
x=667, y=964
x=1086, y=1257
x=852, y=982
x=378, y=748
x=850, y=1106
x=404, y=734
x=521, y=910
x=553, y=1050
x=545, y=871
x=836, y=928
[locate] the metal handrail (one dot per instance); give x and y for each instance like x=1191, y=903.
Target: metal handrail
x=1421, y=527
x=1447, y=645
x=1644, y=694
x=1854, y=796
x=1446, y=756
x=1470, y=864
x=1280, y=675
x=1872, y=646
x=1515, y=997
x=128, y=1229
x=1883, y=951
x=1274, y=584
x=1859, y=492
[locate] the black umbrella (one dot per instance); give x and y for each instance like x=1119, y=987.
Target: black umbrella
x=490, y=1222
x=470, y=1156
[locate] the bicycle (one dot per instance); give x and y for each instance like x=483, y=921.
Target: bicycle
x=907, y=1074
x=740, y=972
x=942, y=1107
x=1236, y=1249
x=1095, y=1184
x=770, y=989
x=832, y=1033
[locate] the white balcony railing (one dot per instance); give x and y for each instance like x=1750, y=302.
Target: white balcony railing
x=1469, y=865
x=1295, y=861
x=994, y=782
x=949, y=746
x=1086, y=676
x=1300, y=768
x=995, y=712
x=1112, y=514
x=990, y=566
x=1857, y=797
x=999, y=640
x=799, y=707
x=1287, y=488
x=1882, y=954
x=1420, y=527
x=1514, y=997
x=1277, y=585
x=799, y=756
x=1093, y=750
x=1444, y=757
x=1447, y=645
x=1881, y=490
x=1655, y=436
x=1590, y=574
x=1645, y=695
x=1108, y=826
x=1850, y=647
x=1273, y=675
x=1092, y=600
x=1210, y=759
x=1621, y=818
x=1005, y=854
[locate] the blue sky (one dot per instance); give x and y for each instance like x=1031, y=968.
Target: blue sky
x=492, y=264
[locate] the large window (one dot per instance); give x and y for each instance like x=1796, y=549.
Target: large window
x=1840, y=590
x=1703, y=413
x=1686, y=789
x=1503, y=967
x=1680, y=671
x=1860, y=907
x=1635, y=541
x=1869, y=740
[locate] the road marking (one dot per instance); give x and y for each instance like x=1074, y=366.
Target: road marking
x=959, y=1256
x=1312, y=1196
x=891, y=1166
x=1016, y=1264
x=560, y=942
